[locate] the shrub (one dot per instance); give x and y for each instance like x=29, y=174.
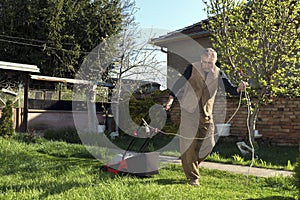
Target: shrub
x=140, y=107
x=6, y=121
x=30, y=137
x=67, y=134
x=297, y=174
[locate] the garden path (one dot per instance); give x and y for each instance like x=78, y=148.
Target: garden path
x=238, y=169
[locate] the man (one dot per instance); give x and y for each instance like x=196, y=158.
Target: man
x=199, y=83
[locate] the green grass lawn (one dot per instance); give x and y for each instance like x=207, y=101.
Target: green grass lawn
x=266, y=156
x=225, y=150
x=57, y=170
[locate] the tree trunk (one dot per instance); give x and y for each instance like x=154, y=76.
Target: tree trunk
x=116, y=109
x=251, y=124
x=91, y=108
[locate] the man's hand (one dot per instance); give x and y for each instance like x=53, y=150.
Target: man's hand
x=242, y=86
x=169, y=103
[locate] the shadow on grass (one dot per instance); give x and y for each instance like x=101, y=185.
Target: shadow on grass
x=59, y=188
x=32, y=166
x=48, y=188
x=39, y=172
x=274, y=198
x=170, y=181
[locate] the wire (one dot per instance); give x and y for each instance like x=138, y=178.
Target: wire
x=29, y=39
x=41, y=46
x=197, y=138
x=49, y=42
x=22, y=43
x=237, y=109
x=175, y=134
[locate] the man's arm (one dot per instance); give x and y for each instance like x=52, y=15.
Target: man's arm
x=178, y=86
x=228, y=87
x=181, y=81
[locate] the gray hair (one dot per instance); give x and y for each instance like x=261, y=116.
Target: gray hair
x=210, y=53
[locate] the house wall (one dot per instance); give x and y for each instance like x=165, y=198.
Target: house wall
x=186, y=51
x=181, y=53
x=41, y=120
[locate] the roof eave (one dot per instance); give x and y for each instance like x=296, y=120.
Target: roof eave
x=162, y=42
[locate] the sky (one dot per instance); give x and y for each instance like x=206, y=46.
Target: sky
x=158, y=17
x=169, y=15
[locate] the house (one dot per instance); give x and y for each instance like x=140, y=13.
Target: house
x=278, y=122
x=141, y=86
x=184, y=45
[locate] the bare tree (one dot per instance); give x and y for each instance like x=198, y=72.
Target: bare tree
x=126, y=55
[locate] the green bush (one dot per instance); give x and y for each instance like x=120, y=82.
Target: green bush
x=69, y=135
x=6, y=121
x=140, y=107
x=297, y=174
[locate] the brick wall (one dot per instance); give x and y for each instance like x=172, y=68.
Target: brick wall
x=278, y=122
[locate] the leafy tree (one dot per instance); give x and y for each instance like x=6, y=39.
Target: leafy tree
x=258, y=41
x=56, y=35
x=6, y=121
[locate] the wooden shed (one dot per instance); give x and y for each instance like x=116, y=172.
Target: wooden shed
x=9, y=72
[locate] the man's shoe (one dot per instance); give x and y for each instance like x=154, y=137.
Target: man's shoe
x=194, y=182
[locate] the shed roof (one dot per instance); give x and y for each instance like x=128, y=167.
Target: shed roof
x=68, y=80
x=19, y=67
x=58, y=79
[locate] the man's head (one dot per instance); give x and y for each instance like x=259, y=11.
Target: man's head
x=208, y=59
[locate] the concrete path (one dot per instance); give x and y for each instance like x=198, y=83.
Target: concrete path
x=233, y=168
